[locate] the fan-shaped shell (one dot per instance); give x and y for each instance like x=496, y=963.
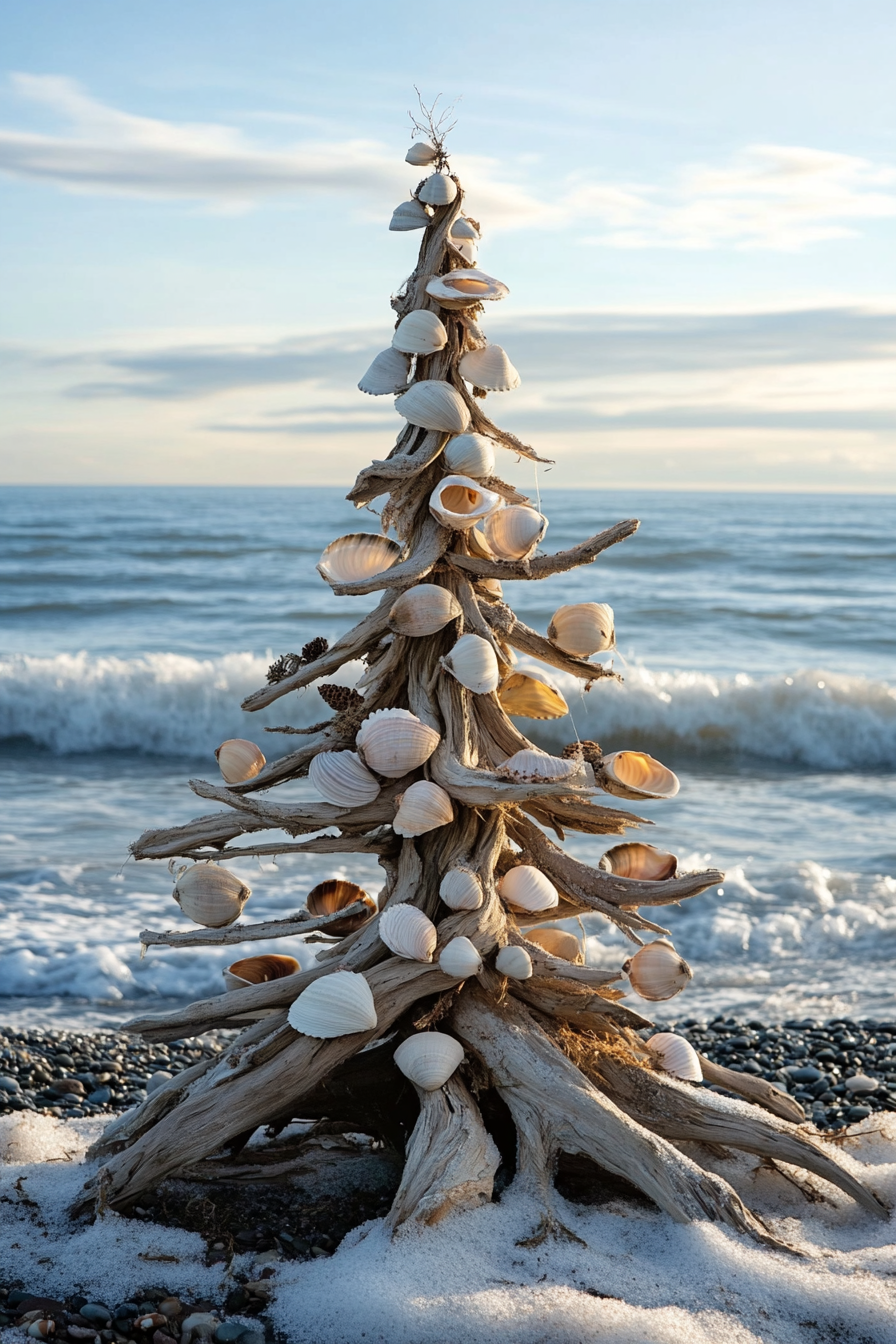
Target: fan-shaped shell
x=258, y=970
x=525, y=888
x=409, y=215
x=429, y=1059
x=634, y=774
x=420, y=333
x=433, y=404
x=421, y=153
x=407, y=932
x=438, y=189
x=463, y=228
x=337, y=894
x=357, y=556
x=422, y=807
x=423, y=610
x=239, y=760
x=387, y=375
x=339, y=1004
x=490, y=368
x=528, y=696
x=342, y=778
x=676, y=1055
x=460, y=502
x=470, y=455
x=583, y=628
x=210, y=895
x=461, y=889
x=639, y=860
x=537, y=767
x=513, y=533
x=514, y=961
x=394, y=741
x=465, y=286
x=657, y=972
x=557, y=943
x=460, y=959
x=474, y=663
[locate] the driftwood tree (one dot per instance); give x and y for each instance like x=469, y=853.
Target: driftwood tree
x=463, y=838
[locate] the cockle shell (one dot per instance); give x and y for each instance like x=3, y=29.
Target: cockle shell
x=470, y=454
x=239, y=760
x=423, y=610
x=557, y=943
x=421, y=153
x=258, y=970
x=634, y=774
x=583, y=628
x=463, y=228
x=490, y=368
x=438, y=189
x=460, y=502
x=461, y=889
x=657, y=972
x=420, y=333
x=525, y=888
x=422, y=807
x=491, y=586
x=530, y=696
x=356, y=556
x=460, y=959
x=639, y=860
x=474, y=663
x=408, y=933
x=465, y=286
x=434, y=404
x=537, y=767
x=676, y=1055
x=513, y=533
x=429, y=1059
x=409, y=215
x=342, y=778
x=337, y=894
x=338, y=1004
x=210, y=895
x=514, y=961
x=394, y=741
x=387, y=375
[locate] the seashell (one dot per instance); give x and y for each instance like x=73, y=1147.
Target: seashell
x=657, y=972
x=468, y=250
x=394, y=741
x=358, y=555
x=537, y=766
x=460, y=959
x=460, y=288
x=41, y=1329
x=513, y=532
x=583, y=628
x=461, y=889
x=153, y=1320
x=525, y=888
x=514, y=961
x=239, y=760
x=474, y=663
x=460, y=502
x=258, y=970
x=429, y=1059
x=676, y=1055
x=490, y=368
x=470, y=454
x=420, y=333
x=491, y=586
x=210, y=895
x=387, y=375
x=421, y=808
x=335, y=894
x=530, y=696
x=423, y=610
x=557, y=943
x=639, y=860
x=463, y=229
x=409, y=215
x=438, y=190
x=433, y=404
x=634, y=774
x=338, y=1004
x=342, y=778
x=421, y=153
x=408, y=933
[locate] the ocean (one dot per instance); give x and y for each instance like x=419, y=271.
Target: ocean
x=756, y=638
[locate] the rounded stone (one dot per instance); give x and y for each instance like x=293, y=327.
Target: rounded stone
x=8, y=1084
x=95, y=1311
x=157, y=1079
x=860, y=1083
x=858, y=1112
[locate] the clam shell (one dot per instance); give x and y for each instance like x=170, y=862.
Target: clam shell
x=474, y=663
x=460, y=959
x=657, y=972
x=394, y=741
x=639, y=860
x=409, y=215
x=528, y=696
x=491, y=586
x=342, y=778
x=421, y=153
x=408, y=933
x=525, y=888
x=460, y=502
x=514, y=961
x=466, y=286
x=470, y=455
x=420, y=333
x=336, y=894
x=513, y=533
x=583, y=628
x=557, y=943
x=258, y=970
x=461, y=889
x=438, y=190
x=467, y=249
x=387, y=375
x=422, y=807
x=338, y=1004
x=429, y=1059
x=463, y=228
x=537, y=767
x=433, y=404
x=239, y=760
x=634, y=774
x=676, y=1055
x=356, y=556
x=424, y=610
x=490, y=368
x=210, y=895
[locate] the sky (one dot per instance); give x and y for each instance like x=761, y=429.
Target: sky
x=693, y=205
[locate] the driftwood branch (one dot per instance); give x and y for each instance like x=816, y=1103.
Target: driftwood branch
x=757, y=1090
x=527, y=641
x=383, y=842
x=542, y=566
x=431, y=546
x=288, y=927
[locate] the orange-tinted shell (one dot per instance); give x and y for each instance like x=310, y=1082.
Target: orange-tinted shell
x=639, y=860
x=336, y=894
x=258, y=970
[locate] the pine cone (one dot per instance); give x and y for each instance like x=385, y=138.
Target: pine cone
x=286, y=666
x=340, y=698
x=314, y=649
x=585, y=751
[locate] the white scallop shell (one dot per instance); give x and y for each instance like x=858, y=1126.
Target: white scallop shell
x=639, y=860
x=460, y=502
x=438, y=190
x=420, y=333
x=429, y=1059
x=358, y=555
x=460, y=959
x=461, y=889
x=525, y=888
x=463, y=228
x=474, y=663
x=537, y=767
x=490, y=368
x=460, y=288
x=338, y=1004
x=557, y=943
x=434, y=404
x=394, y=741
x=657, y=972
x=421, y=153
x=676, y=1055
x=239, y=760
x=634, y=774
x=513, y=533
x=470, y=455
x=583, y=628
x=342, y=778
x=514, y=961
x=387, y=375
x=210, y=895
x=409, y=215
x=408, y=933
x=423, y=610
x=421, y=808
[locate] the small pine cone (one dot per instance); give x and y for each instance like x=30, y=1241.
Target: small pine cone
x=583, y=751
x=314, y=649
x=285, y=666
x=340, y=698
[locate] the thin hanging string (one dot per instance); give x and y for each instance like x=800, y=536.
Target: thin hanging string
x=537, y=487
x=572, y=719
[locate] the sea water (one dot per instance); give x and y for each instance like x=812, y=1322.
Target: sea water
x=756, y=639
